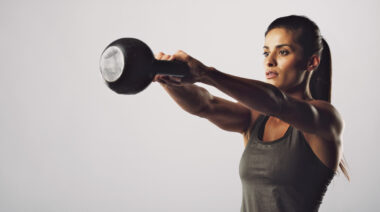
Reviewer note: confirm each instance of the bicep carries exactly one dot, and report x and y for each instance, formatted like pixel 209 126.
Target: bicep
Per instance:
pixel 228 115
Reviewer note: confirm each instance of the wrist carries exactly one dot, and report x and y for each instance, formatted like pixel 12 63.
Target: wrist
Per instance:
pixel 207 75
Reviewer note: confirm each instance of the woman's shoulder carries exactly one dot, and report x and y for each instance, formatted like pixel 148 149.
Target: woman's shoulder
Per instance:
pixel 329 109
pixel 328 117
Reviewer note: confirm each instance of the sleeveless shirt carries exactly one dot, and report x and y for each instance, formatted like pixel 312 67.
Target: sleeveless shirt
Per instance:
pixel 281 175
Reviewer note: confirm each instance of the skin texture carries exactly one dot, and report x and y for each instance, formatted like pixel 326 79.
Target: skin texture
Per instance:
pixel 286 98
pixel 283 55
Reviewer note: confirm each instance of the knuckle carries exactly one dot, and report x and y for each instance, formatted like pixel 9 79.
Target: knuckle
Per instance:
pixel 159 55
pixel 175 56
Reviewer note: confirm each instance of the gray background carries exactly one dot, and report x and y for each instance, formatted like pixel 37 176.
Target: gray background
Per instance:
pixel 68 143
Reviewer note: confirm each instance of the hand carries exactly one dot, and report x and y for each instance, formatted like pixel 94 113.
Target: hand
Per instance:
pixel 196 69
pixel 166 79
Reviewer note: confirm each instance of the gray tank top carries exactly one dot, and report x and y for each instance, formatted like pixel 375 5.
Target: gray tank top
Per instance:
pixel 281 175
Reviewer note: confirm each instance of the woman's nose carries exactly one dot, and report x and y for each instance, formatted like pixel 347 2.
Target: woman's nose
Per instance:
pixel 270 61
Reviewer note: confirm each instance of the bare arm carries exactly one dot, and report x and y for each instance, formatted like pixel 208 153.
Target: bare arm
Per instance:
pixel 198 101
pixel 227 115
pixel 314 117
pixel 191 98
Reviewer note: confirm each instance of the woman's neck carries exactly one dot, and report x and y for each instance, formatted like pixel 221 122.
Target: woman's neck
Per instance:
pixel 301 91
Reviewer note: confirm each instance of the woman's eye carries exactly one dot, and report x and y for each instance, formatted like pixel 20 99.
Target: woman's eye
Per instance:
pixel 284 52
pixel 265 54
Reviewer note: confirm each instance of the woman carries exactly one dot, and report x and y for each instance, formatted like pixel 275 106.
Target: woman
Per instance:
pixel 292 133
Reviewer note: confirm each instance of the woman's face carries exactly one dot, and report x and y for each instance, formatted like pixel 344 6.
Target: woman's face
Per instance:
pixel 284 57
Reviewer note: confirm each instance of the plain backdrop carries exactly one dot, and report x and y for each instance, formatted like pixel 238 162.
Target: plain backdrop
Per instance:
pixel 68 143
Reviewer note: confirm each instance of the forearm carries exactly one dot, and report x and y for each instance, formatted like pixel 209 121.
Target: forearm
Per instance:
pixel 255 94
pixel 190 97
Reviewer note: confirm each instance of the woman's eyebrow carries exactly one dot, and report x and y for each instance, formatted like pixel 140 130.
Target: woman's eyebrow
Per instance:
pixel 279 46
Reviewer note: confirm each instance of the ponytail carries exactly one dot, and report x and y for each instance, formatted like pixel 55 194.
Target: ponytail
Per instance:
pixel 320 82
pixel 320 88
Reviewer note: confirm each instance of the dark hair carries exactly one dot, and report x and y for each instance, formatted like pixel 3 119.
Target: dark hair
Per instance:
pixel 309 38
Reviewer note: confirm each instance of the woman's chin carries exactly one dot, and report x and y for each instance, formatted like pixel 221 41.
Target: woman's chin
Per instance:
pixel 274 83
pixel 271 81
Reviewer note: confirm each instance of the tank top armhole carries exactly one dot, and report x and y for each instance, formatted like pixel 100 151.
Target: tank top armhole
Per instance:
pixel 251 131
pixel 313 155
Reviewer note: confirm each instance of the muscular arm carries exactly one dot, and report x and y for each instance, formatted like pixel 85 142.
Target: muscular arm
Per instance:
pixel 198 101
pixel 190 98
pixel 316 117
pixel 255 94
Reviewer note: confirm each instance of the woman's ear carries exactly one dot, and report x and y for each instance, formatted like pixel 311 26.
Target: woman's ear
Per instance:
pixel 313 62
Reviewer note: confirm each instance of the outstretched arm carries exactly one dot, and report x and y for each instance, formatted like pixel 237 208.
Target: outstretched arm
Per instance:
pixel 315 117
pixel 227 115
pixel 198 101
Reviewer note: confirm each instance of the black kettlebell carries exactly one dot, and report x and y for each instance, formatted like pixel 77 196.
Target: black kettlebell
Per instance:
pixel 128 66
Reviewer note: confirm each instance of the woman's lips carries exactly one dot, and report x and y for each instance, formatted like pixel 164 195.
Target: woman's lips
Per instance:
pixel 271 75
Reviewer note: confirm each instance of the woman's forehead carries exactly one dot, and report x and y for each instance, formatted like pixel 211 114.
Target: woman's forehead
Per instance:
pixel 278 36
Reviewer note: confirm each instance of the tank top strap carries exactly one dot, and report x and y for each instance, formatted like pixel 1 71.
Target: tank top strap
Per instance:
pixel 255 129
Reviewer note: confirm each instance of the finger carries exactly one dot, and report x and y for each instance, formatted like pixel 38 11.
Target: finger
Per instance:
pixel 162 79
pixel 165 82
pixel 159 55
pixel 165 57
pixel 169 80
pixel 175 79
pixel 162 82
pixel 158 77
pixel 173 83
